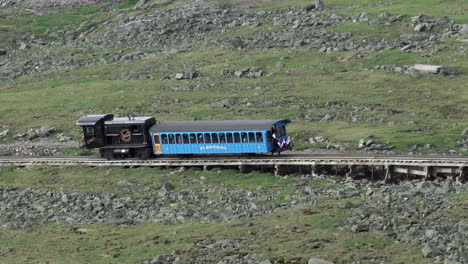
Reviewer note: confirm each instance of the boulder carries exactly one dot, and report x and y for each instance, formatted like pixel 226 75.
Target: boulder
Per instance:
pixel 384 14
pixel 4 133
pixel 318 261
pixel 279 64
pixel 64 138
pixel 430 251
pixel 179 76
pixel 361 143
pixel 167 186
pixel 463 29
pixel 448 261
pixel 31 134
pixel 140 4
pixel 319 4
pixel 188 74
pixel 309 7
pixel 45 131
pixel 426 69
pixel 420 27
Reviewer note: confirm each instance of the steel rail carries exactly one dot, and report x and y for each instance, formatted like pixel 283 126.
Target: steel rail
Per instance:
pixel 291 159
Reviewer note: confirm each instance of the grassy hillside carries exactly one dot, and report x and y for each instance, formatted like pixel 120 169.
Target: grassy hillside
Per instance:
pixel 430 109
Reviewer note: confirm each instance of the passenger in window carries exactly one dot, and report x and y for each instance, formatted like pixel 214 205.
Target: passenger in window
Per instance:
pixel 251 138
pixel 259 137
pixel 200 138
pixel 244 137
pixel 193 139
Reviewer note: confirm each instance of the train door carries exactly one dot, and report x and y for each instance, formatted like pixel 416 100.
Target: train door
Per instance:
pixel 157 143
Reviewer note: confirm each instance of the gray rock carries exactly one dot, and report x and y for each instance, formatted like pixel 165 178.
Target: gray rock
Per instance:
pixel 420 27
pixel 426 68
pixel 4 133
pixel 141 4
pixel 31 134
pixel 335 16
pixel 414 73
pixel 318 261
pixel 360 228
pixel 279 64
pixel 45 131
pixel 384 14
pixel 23 46
pixel 463 29
pixel 167 186
pixel 319 4
pixel 4 251
pixel 266 261
pixel 64 138
pixel 237 43
pixel 369 142
pixel 429 251
pixel 361 143
pixel 465 131
pixel 449 261
pixel 309 7
pixel 179 76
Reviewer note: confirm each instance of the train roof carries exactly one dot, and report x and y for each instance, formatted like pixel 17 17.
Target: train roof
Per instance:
pixel 91 120
pixel 131 120
pixel 223 125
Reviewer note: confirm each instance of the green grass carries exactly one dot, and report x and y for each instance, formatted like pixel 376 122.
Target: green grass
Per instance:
pixel 30 23
pixel 127 4
pixel 298 92
pixel 88 179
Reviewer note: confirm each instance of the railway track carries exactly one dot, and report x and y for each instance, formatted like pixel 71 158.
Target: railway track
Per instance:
pixel 353 164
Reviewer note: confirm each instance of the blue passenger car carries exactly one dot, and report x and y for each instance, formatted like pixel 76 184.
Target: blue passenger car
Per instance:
pixel 218 137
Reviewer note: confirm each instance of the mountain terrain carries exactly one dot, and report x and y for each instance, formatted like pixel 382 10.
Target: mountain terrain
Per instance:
pixel 353 76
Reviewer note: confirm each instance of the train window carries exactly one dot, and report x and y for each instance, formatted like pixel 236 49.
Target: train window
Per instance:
pixel 171 139
pixel 200 138
pixel 251 137
pixel 193 139
pixel 89 131
pixel 269 138
pixel 244 137
pixel 215 137
pixel 207 138
pixel 178 139
pixel 229 137
pixel 156 139
pixel 136 129
pixel 164 139
pixel 236 138
pixel 222 138
pixel 259 137
pixel 186 139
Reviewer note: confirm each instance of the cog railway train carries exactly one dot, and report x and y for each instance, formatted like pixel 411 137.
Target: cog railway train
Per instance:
pixel 143 137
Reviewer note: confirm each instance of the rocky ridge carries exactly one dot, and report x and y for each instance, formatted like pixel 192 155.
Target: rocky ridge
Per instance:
pixel 206 24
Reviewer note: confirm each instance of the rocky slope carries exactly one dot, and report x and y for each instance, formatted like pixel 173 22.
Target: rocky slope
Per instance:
pixel 207 24
pixel 416 213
